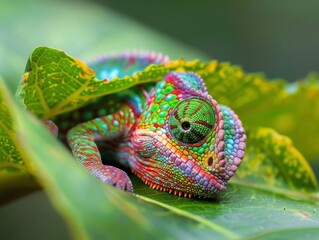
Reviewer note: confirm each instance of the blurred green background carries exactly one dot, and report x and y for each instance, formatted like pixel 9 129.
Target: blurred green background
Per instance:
pixel 279 38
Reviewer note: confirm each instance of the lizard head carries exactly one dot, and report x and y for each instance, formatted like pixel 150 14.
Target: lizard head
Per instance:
pixel 185 142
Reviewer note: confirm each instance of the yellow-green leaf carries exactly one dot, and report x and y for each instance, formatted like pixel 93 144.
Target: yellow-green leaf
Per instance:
pixel 295 114
pixel 271 160
pixel 263 103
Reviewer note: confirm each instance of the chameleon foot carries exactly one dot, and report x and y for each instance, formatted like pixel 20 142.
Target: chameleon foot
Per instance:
pixel 115 177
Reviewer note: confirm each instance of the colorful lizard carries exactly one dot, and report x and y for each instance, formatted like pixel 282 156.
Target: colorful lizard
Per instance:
pixel 172 134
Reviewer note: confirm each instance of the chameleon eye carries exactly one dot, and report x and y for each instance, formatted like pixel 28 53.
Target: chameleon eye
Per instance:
pixel 192 120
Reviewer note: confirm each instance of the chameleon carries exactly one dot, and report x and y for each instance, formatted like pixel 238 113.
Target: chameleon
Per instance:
pixel 172 134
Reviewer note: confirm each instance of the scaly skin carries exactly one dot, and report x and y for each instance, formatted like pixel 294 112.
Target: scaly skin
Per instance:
pixel 173 135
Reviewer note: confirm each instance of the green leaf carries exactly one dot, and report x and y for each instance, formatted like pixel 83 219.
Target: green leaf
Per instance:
pixel 11 159
pixel 248 211
pixel 52 79
pixel 15 179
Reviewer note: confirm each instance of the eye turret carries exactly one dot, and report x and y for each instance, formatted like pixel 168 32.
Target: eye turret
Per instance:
pixel 192 120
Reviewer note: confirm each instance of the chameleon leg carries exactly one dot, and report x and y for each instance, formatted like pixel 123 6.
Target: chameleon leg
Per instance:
pixel 81 140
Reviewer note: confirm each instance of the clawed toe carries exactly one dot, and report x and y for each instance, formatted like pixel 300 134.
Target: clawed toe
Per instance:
pixel 115 177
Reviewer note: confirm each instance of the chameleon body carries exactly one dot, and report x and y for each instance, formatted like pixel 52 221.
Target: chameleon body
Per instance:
pixel 172 134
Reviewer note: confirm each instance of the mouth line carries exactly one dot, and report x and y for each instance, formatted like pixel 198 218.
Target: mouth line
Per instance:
pixel 170 190
pixel 161 188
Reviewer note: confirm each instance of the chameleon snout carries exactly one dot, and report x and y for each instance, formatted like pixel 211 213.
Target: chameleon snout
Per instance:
pixel 142 145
